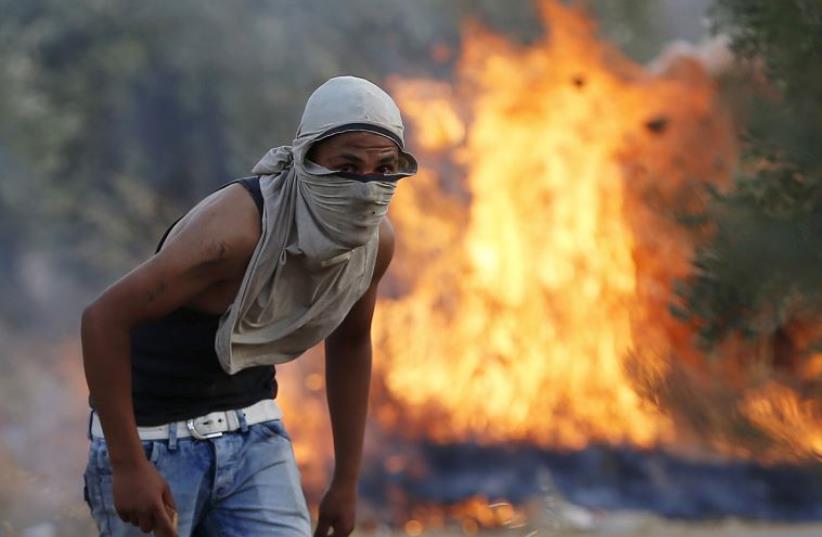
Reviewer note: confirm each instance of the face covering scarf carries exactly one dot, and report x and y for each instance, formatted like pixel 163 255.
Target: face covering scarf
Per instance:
pixel 320 232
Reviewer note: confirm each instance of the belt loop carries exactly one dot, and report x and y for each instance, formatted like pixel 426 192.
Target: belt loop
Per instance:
pixel 172 435
pixel 243 422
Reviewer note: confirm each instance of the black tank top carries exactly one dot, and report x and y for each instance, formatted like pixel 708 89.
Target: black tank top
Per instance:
pixel 175 372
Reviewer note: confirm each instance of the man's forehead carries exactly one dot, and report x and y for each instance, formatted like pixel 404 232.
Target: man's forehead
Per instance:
pixel 366 141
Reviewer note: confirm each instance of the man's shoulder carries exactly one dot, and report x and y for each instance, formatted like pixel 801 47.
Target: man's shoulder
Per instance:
pixel 228 217
pixel 235 217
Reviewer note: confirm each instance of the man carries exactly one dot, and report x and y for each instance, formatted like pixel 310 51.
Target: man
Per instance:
pixel 179 353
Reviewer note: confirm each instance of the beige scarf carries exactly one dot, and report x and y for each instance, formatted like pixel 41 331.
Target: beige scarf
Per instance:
pixel 320 233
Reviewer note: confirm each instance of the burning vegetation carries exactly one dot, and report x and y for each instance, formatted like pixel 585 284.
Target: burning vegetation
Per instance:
pixel 529 301
pixel 539 250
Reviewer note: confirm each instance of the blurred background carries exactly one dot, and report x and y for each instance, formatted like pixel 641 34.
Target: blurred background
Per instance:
pixel 604 311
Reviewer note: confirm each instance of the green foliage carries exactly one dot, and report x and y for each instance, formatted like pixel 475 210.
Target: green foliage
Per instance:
pixel 761 269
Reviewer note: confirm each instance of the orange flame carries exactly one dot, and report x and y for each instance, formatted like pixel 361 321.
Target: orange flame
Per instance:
pixel 524 303
pixel 536 250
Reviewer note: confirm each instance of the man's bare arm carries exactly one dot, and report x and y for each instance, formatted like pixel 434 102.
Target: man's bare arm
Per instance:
pixel 214 243
pixel 348 375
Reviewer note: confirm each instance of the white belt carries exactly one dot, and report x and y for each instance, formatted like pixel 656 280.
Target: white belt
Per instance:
pixel 209 426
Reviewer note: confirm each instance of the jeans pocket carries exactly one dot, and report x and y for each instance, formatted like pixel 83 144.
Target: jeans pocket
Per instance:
pixel 99 455
pixel 275 428
pixel 94 493
pixel 98 481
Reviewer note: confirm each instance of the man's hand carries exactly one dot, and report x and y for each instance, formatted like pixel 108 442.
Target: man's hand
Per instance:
pixel 337 511
pixel 143 498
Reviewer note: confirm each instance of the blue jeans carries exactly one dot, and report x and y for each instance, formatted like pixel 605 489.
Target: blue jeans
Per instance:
pixel 242 484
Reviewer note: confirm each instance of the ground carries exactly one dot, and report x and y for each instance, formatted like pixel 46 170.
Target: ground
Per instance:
pixel 653 529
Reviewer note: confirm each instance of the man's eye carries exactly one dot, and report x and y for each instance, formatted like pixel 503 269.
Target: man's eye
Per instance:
pixel 347 168
pixel 386 169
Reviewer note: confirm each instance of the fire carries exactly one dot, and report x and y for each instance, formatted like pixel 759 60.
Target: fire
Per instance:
pixel 528 300
pixel 780 412
pixel 473 514
pixel 531 282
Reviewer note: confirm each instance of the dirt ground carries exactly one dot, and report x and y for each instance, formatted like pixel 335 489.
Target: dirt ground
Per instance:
pixel 81 526
pixel 655 529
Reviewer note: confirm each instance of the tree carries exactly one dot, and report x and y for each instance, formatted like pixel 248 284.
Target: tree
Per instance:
pixel 759 274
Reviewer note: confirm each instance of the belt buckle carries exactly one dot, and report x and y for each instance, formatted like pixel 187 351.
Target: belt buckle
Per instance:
pixel 197 434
